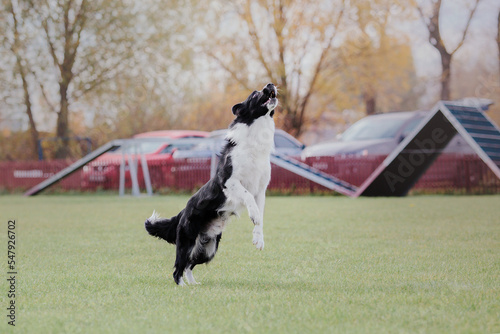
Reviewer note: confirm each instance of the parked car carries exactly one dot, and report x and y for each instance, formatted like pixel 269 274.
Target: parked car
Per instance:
pixel 104 172
pixel 378 135
pixel 285 144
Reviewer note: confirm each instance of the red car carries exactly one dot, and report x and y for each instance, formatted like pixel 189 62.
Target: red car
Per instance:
pixel 104 172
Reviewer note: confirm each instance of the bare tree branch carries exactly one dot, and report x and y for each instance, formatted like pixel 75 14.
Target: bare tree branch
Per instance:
pixel 471 14
pixel 319 65
pixel 52 49
pixel 99 80
pixel 254 36
pixel 422 16
pixel 233 74
pixel 44 94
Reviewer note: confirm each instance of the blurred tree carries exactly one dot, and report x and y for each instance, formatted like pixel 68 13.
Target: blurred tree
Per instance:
pixel 382 77
pixel 376 64
pixel 155 92
pixel 285 42
pixel 107 58
pixel 13 41
pixel 373 67
pixel 211 112
pixel 88 42
pixel 431 20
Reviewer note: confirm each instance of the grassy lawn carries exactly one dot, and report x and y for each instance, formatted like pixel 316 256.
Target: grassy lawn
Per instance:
pixel 423 264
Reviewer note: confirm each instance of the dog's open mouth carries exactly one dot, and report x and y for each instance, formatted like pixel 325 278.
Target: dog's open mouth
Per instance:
pixel 269 100
pixel 272 97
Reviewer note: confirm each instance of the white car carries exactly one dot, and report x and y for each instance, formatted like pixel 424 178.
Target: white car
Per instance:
pixel 378 135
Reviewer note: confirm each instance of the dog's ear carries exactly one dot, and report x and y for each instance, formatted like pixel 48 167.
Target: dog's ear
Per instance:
pixel 236 108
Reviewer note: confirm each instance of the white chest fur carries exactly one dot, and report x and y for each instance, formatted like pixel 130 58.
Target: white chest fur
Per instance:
pixel 251 155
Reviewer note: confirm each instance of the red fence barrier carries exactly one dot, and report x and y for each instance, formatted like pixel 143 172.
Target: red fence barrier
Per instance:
pixel 22 175
pixel 449 173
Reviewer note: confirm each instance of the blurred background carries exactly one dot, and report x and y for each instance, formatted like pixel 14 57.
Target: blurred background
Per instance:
pixel 75 74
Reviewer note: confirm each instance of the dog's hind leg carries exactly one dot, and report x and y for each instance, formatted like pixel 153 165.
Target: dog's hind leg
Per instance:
pixel 258 230
pixel 178 272
pixel 189 275
pixel 181 260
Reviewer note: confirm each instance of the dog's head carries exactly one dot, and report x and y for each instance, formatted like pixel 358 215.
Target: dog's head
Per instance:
pixel 258 104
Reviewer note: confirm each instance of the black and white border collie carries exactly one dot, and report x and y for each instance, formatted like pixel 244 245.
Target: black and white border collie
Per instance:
pixel 242 176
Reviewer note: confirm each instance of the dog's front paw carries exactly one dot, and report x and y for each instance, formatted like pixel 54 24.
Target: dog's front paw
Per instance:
pixel 254 214
pixel 258 238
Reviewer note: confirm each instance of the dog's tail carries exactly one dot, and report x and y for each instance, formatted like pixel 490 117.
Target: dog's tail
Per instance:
pixel 163 228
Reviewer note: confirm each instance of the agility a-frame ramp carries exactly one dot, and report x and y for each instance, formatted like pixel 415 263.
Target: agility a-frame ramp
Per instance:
pixel 314 175
pixel 131 157
pixel 415 154
pixel 72 168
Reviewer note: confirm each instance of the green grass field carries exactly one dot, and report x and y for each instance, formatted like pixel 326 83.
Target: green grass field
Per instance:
pixel 423 264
